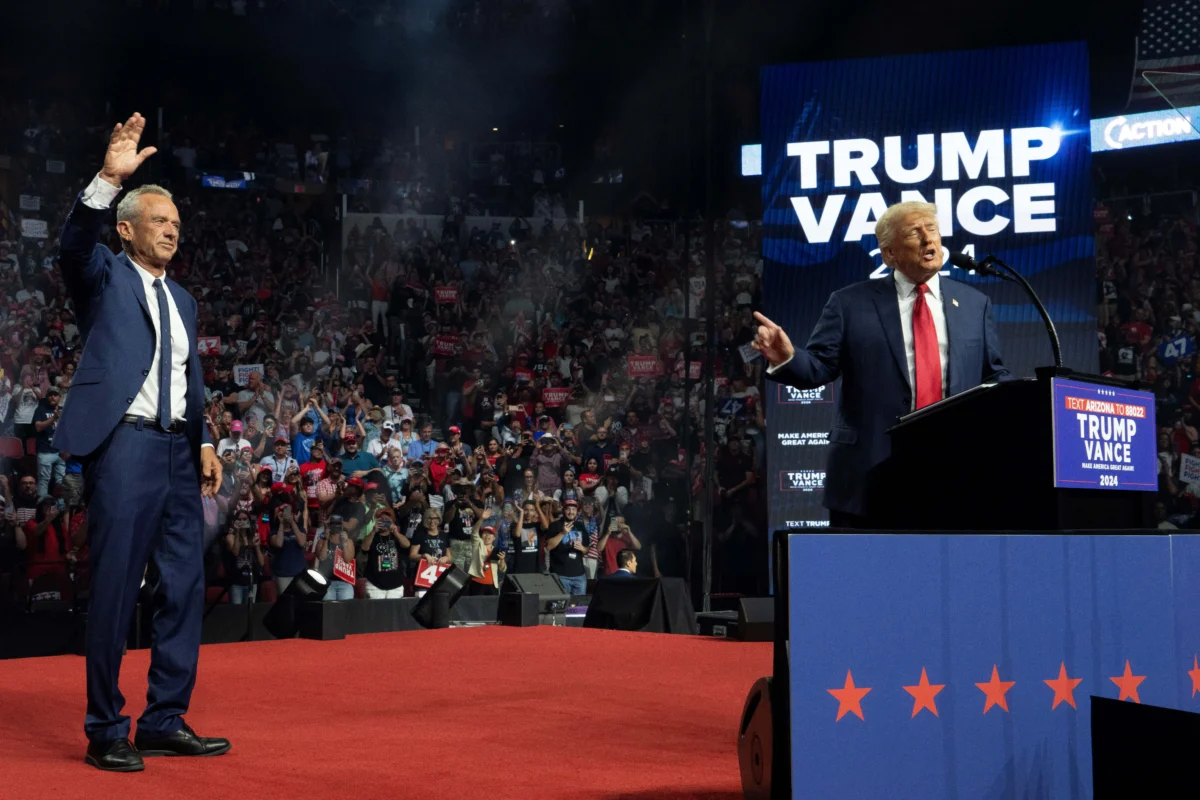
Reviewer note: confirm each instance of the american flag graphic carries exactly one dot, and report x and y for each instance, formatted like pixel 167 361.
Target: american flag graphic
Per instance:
pixel 1168 53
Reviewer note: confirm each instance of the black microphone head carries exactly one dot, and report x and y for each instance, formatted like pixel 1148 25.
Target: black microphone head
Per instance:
pixel 963 261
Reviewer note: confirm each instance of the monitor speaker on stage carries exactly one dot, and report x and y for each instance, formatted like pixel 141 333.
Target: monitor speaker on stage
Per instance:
pixel 552 597
pixel 756 750
pixel 433 610
pixel 518 610
pixel 756 619
pixel 1141 750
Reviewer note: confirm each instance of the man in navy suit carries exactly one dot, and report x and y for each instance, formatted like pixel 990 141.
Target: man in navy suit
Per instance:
pixel 898 344
pixel 136 421
pixel 626 564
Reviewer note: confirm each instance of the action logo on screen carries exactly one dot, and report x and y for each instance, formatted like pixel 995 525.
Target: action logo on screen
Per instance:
pixel 1104 437
pixel 998 139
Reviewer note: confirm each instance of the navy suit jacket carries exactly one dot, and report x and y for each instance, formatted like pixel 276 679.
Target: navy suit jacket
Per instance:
pixel 858 338
pixel 622 575
pixel 118 338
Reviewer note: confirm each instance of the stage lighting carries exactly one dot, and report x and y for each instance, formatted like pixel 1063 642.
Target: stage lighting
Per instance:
pixel 433 610
pixel 283 620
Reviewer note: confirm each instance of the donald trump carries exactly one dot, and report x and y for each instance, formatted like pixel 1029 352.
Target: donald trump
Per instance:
pixel 898 344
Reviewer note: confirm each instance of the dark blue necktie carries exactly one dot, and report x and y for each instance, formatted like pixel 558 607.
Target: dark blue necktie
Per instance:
pixel 164 356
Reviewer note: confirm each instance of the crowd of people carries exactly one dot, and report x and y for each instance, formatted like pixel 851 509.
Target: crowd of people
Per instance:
pixel 1149 314
pixel 501 397
pixel 504 401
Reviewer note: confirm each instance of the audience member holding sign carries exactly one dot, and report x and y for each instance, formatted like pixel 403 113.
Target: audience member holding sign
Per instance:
pixel 429 550
pixel 335 559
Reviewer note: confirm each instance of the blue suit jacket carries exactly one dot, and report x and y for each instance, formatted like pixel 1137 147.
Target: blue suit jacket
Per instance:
pixel 622 575
pixel 858 338
pixel 118 338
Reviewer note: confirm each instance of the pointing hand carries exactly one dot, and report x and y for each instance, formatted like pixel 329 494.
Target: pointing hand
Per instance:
pixel 772 341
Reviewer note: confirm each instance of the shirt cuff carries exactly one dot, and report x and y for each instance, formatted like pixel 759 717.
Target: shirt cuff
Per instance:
pixel 100 194
pixel 777 367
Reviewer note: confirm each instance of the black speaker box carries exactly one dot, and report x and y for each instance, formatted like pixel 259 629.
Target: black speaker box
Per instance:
pixel 323 621
pixel 1142 751
pixel 756 619
pixel 756 746
pixel 552 598
pixel 518 610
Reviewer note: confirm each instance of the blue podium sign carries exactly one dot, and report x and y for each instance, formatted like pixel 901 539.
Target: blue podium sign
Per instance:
pixel 1104 437
pixel 931 666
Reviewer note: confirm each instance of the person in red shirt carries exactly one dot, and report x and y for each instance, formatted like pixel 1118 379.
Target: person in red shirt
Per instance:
pixel 617 537
pixel 1138 330
pixel 46 542
pixel 380 292
pixel 440 466
pixel 311 473
pixel 590 477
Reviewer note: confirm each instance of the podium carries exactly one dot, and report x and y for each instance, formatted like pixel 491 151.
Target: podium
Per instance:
pixel 1019 455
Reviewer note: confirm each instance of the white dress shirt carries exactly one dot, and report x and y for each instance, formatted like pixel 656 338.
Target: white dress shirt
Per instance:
pixel 906 295
pixel 100 195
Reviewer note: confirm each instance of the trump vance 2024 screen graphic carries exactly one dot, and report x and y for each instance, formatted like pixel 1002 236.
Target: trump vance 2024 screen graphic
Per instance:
pixel 998 139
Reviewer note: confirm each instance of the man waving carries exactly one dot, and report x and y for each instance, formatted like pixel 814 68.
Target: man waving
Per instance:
pixel 136 420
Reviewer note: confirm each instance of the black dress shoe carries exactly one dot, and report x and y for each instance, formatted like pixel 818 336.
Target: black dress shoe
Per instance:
pixel 114 756
pixel 183 742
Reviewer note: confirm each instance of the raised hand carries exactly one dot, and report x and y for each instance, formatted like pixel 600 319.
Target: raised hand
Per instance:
pixel 123 157
pixel 772 341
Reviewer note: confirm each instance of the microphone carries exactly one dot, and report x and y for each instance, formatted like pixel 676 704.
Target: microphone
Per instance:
pixel 964 261
pixel 988 267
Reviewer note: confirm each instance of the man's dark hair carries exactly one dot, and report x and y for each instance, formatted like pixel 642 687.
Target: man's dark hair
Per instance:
pixel 625 558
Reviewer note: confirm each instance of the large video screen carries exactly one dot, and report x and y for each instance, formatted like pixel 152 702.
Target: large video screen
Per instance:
pixel 998 139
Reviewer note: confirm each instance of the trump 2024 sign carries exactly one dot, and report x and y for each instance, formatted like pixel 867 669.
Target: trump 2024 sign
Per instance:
pixel 998 139
pixel 1104 437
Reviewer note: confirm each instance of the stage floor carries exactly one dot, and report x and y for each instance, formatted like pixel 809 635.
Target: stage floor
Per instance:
pixel 487 712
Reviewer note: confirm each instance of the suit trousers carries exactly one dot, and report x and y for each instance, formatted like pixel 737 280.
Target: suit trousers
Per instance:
pixel 143 496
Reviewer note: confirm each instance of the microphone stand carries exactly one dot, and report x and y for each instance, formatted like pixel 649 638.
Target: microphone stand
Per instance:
pixel 1051 331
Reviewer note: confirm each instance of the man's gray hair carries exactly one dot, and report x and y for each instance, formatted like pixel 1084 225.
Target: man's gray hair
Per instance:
pixel 130 206
pixel 885 228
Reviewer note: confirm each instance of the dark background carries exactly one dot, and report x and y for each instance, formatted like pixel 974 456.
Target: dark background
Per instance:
pixel 628 73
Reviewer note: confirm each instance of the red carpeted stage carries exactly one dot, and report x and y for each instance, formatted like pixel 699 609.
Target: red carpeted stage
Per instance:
pixel 485 712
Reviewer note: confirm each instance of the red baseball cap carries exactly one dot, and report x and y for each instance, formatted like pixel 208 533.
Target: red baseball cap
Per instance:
pixel 371 485
pixel 355 482
pixel 278 487
pixel 455 429
pixel 350 437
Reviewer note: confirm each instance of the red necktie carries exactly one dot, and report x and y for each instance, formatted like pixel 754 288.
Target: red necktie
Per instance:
pixel 925 348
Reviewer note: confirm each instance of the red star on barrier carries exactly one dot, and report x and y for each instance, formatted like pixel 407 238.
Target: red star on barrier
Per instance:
pixel 1194 674
pixel 995 690
pixel 1128 684
pixel 923 694
pixel 1064 687
pixel 849 698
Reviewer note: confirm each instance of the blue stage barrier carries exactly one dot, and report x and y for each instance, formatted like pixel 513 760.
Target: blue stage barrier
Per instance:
pixel 1016 630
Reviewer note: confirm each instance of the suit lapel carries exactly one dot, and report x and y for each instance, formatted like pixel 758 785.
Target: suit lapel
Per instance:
pixel 951 308
pixel 889 315
pixel 139 288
